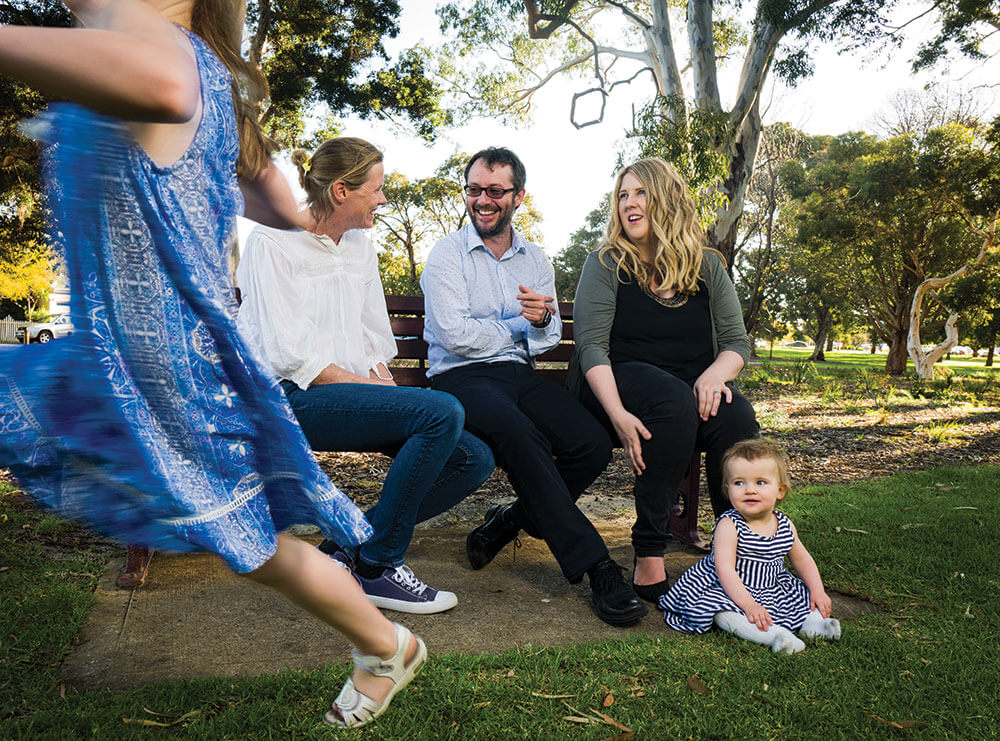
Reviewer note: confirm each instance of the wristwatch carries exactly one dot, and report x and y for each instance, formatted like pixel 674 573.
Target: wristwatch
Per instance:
pixel 544 323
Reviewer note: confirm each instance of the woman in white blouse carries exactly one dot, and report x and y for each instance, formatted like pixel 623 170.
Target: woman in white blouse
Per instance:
pixel 313 307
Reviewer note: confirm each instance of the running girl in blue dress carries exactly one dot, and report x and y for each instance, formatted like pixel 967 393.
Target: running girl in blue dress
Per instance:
pixel 742 585
pixel 153 422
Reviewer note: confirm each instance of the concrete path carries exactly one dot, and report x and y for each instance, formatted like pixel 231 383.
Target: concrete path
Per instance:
pixel 194 618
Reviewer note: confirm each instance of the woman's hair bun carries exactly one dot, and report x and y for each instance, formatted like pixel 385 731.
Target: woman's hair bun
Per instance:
pixel 300 157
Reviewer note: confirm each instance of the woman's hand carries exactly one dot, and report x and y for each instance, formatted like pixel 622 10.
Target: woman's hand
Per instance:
pixel 710 389
pixel 759 616
pixel 631 431
pixel 820 600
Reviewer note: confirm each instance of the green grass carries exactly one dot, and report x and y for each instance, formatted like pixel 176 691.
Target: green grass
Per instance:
pixel 920 546
pixel 962 364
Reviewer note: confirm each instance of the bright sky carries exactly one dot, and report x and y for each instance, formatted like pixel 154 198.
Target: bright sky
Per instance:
pixel 570 170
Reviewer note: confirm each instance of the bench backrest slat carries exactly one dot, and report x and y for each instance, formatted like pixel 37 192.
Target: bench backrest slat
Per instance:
pixel 406 316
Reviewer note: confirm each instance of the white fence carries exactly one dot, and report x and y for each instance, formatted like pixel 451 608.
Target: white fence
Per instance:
pixel 8 327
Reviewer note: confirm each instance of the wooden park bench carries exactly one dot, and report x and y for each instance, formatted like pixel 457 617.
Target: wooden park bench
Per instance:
pixel 406 315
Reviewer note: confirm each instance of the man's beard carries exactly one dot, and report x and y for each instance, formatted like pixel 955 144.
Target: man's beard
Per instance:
pixel 502 225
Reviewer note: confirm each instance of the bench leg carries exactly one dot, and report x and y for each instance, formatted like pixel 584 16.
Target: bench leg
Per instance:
pixel 684 515
pixel 136 565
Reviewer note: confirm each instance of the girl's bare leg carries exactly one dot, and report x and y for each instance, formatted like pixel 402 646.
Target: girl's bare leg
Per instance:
pixel 311 580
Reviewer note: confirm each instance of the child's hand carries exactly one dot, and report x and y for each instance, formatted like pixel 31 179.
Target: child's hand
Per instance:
pixel 759 616
pixel 822 602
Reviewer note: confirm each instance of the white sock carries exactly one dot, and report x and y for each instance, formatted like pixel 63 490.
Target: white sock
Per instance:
pixel 781 640
pixel 817 626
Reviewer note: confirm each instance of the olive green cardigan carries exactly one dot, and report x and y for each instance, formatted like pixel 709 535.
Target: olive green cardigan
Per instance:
pixel 594 313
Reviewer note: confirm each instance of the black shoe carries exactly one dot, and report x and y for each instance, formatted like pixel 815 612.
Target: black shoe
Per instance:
pixel 615 602
pixel 487 540
pixel 650 592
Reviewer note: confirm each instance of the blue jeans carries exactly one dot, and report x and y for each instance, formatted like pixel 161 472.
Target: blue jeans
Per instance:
pixel 436 464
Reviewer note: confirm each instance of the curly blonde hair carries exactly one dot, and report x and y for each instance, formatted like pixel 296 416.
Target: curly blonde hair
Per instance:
pixel 676 231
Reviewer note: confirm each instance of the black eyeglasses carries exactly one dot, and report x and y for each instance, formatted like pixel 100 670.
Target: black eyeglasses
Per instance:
pixel 474 191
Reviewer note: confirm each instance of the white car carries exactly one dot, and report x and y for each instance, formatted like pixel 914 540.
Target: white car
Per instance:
pixel 60 326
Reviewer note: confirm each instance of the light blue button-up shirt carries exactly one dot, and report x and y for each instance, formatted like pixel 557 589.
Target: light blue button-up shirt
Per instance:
pixel 470 298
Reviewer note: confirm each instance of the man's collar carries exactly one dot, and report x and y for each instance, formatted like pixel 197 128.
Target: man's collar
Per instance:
pixel 474 240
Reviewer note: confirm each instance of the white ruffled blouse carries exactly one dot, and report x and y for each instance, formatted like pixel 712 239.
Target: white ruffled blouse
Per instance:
pixel 309 302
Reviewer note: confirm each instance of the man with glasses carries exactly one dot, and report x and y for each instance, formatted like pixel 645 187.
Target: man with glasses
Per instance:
pixel 490 308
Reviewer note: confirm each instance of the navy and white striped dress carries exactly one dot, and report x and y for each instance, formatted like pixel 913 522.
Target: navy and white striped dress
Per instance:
pixel 697 596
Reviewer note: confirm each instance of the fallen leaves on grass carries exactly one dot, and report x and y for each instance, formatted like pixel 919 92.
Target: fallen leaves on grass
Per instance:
pixel 697 686
pixel 596 717
pixel 608 701
pixel 901 725
pixel 161 724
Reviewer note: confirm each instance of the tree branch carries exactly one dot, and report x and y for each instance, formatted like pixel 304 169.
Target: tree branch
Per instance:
pixel 755 65
pixel 638 20
pixel 554 21
pixel 660 40
pixel 260 34
pixel 703 62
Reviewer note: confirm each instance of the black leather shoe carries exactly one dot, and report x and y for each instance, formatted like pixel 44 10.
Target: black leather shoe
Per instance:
pixel 650 592
pixel 487 540
pixel 615 602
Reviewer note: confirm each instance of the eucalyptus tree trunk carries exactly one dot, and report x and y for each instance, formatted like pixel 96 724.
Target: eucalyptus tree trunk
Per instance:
pixel 923 362
pixel 824 323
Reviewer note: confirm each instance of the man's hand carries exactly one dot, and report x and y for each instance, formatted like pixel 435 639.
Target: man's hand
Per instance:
pixel 534 306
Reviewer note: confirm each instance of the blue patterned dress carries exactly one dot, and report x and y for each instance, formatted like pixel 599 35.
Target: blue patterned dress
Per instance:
pixel 153 423
pixel 693 600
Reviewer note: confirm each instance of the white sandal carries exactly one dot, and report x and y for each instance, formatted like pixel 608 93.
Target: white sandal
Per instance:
pixel 352 709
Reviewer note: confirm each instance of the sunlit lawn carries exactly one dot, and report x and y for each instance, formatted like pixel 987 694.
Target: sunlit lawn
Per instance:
pixel 962 364
pixel 919 546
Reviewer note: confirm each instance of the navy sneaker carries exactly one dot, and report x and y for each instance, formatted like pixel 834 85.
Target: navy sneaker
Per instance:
pixel 338 555
pixel 399 589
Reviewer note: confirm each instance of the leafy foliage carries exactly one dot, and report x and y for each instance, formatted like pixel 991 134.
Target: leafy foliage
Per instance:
pixel 326 53
pixel 22 213
pixel 568 263
pixel 503 52
pixel 885 215
pixel 27 280
pixel 963 27
pixel 331 52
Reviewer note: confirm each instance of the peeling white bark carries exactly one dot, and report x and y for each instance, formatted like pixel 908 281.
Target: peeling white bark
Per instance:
pixel 760 52
pixel 702 41
pixel 923 362
pixel 722 234
pixel 665 67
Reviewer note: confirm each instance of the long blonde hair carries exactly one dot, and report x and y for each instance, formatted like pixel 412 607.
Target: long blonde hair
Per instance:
pixel 677 234
pixel 347 159
pixel 219 23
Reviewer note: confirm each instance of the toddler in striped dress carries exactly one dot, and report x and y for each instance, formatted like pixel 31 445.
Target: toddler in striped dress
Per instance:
pixel 742 585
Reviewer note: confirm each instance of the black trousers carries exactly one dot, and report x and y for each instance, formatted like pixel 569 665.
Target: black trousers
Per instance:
pixel 668 408
pixel 551 448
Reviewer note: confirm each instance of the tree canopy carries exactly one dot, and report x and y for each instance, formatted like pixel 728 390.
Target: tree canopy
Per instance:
pixel 326 53
pixel 504 51
pixel 964 27
pixel 896 213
